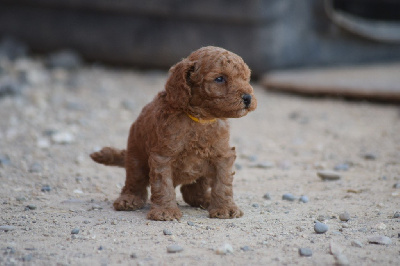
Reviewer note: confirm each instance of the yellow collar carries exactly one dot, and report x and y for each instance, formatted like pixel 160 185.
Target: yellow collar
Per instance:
pixel 202 121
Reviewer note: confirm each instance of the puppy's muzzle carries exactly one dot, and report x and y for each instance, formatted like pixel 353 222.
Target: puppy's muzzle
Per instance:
pixel 246 100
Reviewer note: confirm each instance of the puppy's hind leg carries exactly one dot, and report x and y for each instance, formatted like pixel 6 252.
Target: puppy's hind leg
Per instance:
pixel 197 194
pixel 134 194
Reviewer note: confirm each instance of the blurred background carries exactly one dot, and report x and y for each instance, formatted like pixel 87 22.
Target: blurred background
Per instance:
pixel 268 34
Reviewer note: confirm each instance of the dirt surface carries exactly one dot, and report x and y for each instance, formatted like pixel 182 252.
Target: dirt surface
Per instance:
pixel 49 186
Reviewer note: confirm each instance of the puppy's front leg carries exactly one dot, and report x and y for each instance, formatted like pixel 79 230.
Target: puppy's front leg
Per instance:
pixel 222 205
pixel 163 198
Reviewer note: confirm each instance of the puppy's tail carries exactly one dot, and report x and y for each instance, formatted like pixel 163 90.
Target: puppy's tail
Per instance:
pixel 109 156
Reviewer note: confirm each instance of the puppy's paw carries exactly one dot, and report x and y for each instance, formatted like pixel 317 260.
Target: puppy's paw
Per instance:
pixel 225 212
pixel 129 202
pixel 164 214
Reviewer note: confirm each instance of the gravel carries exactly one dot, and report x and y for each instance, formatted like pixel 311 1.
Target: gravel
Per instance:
pixel 174 249
pixel 320 228
pixel 4 160
pixel 328 175
pixel 344 216
pixel 288 197
pixel 190 223
pixel 31 207
pixel 75 231
pixel 370 156
pixel 305 252
pixel 396 185
pixel 396 215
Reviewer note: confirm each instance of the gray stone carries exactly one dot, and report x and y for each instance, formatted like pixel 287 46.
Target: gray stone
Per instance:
pixel 12 48
pixel 245 248
pixel 320 228
pixel 396 185
pixel 66 59
pixel 264 165
pixel 342 167
pixel 7 228
pixel 267 196
pixel 35 168
pixel 381 240
pixel 356 243
pixel 167 232
pixel 9 87
pixel 45 188
pixel 174 248
pixel 255 205
pixel 288 197
pixel 369 156
pixel 4 160
pixel 31 207
pixel 345 216
pixel 27 257
pixel 328 175
pixel 305 252
pixel 396 215
pixel 304 199
pixel 190 223
pixel 75 231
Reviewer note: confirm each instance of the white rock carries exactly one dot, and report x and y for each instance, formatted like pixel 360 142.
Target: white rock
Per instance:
pixel 225 249
pixel 63 138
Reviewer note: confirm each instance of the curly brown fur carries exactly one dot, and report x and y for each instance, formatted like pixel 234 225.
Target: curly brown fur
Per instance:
pixel 182 138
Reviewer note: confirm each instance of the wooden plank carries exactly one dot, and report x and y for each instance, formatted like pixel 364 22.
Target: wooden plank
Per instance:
pixel 373 82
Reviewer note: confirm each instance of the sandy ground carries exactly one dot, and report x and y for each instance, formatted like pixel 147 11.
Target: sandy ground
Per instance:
pixel 49 186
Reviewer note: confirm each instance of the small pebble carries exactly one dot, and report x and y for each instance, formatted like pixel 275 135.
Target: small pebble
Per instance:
pixel 4 160
pixel 356 243
pixel 6 228
pixel 396 215
pixel 381 240
pixel 35 168
pixel 225 249
pixel 27 257
pixel 167 232
pixel 75 231
pixel 245 248
pixel 381 226
pixel 397 185
pixel 369 156
pixel 100 248
pixel 267 196
pixel 303 199
pixel 305 252
pixel 255 205
pixel 344 216
pixel 190 223
pixel 341 167
pixel 320 228
pixel 66 59
pixel 30 207
pixel 328 175
pixel 174 249
pixel 46 188
pixel 63 138
pixel 133 256
pixel 288 197
pixel 264 165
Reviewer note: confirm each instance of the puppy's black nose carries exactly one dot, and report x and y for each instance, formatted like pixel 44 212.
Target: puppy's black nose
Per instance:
pixel 246 100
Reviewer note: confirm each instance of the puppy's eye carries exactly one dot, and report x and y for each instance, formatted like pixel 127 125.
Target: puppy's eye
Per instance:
pixel 220 79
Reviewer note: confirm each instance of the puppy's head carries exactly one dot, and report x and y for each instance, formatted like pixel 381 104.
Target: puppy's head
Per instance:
pixel 211 83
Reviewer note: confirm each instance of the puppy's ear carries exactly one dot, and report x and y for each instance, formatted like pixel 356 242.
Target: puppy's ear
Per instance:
pixel 178 85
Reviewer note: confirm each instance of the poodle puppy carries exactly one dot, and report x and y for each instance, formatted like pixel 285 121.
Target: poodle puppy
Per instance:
pixel 182 138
